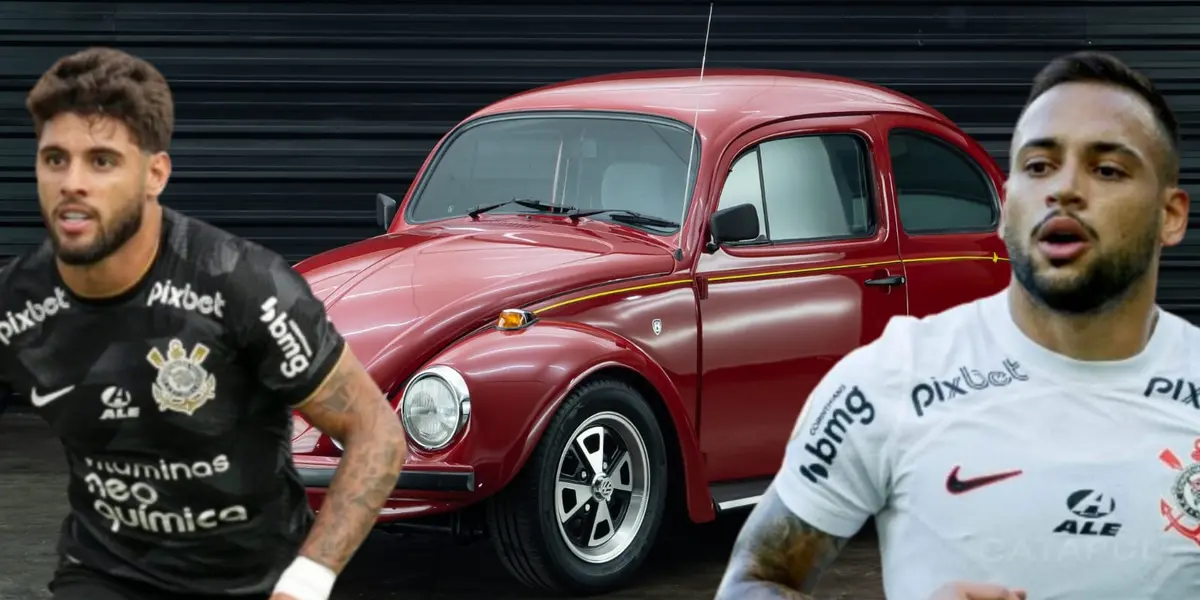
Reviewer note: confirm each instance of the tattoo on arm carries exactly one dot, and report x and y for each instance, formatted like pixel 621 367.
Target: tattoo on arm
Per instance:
pixel 777 555
pixel 350 408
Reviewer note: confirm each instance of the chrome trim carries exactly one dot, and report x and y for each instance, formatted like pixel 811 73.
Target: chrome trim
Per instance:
pixel 462 395
pixel 739 503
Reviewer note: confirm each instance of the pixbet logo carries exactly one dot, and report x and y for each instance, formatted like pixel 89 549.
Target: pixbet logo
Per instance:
pixel 34 313
pixel 1179 390
pixel 855 408
pixel 297 354
pixel 166 293
pixel 965 380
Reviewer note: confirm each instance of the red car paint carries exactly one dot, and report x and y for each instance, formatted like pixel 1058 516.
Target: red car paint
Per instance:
pixel 737 352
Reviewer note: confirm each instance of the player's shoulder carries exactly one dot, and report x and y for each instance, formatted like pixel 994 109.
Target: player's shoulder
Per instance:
pixel 8 266
pixel 38 258
pixel 1183 356
pixel 217 270
pixel 911 346
pixel 31 271
pixel 202 247
pixel 1189 332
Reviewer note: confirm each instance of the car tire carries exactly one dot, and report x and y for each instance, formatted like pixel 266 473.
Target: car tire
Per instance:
pixel 584 556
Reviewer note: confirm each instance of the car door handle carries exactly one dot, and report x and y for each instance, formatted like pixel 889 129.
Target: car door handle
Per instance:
pixel 893 280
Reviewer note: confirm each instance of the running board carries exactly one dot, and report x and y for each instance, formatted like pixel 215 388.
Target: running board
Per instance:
pixel 733 495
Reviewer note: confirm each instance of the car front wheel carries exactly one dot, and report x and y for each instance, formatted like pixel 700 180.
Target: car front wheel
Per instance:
pixel 582 515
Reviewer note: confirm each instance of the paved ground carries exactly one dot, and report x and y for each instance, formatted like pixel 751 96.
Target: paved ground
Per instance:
pixel 688 564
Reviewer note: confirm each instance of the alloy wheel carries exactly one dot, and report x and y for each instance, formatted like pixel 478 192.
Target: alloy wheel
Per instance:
pixel 600 495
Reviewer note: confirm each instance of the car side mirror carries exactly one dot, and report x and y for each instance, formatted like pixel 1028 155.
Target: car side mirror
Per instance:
pixel 734 224
pixel 385 211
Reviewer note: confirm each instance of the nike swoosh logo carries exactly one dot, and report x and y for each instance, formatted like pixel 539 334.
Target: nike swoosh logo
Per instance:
pixel 956 486
pixel 39 401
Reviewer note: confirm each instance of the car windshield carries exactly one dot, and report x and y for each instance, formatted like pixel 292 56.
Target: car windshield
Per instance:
pixel 585 162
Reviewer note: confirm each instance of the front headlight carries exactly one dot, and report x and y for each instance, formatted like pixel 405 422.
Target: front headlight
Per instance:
pixel 435 407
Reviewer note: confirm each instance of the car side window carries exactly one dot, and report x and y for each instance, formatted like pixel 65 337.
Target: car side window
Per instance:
pixel 812 187
pixel 744 186
pixel 939 189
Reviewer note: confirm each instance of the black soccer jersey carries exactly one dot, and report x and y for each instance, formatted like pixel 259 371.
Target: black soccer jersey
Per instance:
pixel 173 403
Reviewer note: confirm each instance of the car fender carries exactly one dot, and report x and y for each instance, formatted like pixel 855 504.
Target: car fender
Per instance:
pixel 519 378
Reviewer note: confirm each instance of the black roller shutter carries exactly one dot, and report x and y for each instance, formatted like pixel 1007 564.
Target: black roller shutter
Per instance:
pixel 292 115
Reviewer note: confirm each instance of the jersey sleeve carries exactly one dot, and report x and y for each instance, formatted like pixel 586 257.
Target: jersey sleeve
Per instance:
pixel 835 472
pixel 282 327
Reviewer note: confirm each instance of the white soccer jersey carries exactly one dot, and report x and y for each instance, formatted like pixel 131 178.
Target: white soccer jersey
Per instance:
pixel 985 457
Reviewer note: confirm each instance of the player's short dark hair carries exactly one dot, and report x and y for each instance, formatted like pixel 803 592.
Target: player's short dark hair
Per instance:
pixel 1100 67
pixel 109 82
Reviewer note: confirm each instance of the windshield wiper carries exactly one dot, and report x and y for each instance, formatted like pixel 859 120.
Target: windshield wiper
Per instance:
pixel 537 205
pixel 627 216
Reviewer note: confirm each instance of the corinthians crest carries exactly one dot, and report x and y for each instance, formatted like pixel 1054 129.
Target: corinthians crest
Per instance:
pixel 182 384
pixel 1185 495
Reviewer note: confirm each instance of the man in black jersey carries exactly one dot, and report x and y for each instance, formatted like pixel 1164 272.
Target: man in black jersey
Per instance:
pixel 168 356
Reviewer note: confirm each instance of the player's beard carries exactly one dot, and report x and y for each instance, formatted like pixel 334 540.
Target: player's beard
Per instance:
pixel 1108 279
pixel 110 236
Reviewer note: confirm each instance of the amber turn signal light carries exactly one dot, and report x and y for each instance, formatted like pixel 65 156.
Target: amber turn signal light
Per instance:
pixel 514 318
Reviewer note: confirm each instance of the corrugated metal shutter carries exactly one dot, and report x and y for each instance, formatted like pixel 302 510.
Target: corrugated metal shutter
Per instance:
pixel 292 115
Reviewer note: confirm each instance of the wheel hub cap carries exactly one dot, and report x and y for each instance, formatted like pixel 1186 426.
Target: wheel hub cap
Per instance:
pixel 600 497
pixel 602 488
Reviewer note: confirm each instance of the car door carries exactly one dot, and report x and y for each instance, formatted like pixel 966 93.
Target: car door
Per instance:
pixel 947 194
pixel 822 279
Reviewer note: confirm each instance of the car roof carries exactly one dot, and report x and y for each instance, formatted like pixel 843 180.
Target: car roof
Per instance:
pixel 727 98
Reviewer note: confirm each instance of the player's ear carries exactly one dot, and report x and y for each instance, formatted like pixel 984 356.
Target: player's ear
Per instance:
pixel 158 172
pixel 1176 204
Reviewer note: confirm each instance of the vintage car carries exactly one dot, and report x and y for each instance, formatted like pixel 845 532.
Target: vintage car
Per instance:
pixel 590 318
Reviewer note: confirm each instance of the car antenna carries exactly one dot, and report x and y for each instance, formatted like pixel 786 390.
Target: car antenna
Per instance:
pixel 687 175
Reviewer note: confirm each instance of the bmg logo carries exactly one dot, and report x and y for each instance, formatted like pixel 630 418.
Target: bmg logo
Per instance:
pixel 297 354
pixel 854 409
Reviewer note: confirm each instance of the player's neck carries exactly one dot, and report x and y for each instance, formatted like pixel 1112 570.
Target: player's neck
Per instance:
pixel 1118 333
pixel 124 268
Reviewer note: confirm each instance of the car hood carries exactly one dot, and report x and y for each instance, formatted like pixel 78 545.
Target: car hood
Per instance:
pixel 393 295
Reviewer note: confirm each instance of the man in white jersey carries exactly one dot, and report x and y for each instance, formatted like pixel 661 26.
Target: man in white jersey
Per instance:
pixel 1043 443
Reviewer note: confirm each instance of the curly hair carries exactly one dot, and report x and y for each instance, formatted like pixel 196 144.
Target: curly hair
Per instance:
pixel 112 83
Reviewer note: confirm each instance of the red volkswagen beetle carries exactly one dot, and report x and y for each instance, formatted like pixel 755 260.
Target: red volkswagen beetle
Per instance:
pixel 588 316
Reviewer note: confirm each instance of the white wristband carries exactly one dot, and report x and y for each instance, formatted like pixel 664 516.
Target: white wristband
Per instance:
pixel 306 579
